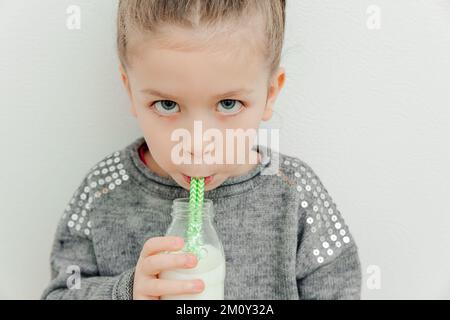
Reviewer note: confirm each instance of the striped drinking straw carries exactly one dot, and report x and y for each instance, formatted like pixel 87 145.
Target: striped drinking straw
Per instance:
pixel 193 234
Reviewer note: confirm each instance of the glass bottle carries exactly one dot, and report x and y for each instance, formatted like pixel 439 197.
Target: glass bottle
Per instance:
pixel 210 259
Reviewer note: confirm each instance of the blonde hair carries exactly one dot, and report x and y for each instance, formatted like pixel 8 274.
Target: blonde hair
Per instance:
pixel 150 15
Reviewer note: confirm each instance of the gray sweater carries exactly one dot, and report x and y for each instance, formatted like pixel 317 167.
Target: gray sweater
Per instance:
pixel 282 235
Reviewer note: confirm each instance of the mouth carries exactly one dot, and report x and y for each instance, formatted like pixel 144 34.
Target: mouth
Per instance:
pixel 208 179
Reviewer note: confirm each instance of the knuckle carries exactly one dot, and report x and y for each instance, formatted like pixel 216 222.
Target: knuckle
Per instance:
pixel 155 286
pixel 148 244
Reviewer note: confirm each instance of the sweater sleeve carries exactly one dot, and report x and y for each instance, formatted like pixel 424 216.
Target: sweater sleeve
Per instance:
pixel 74 271
pixel 328 265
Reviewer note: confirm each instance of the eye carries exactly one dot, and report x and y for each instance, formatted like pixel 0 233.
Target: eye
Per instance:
pixel 230 106
pixel 166 107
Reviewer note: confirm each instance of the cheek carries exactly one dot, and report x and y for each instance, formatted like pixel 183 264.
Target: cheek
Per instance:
pixel 161 150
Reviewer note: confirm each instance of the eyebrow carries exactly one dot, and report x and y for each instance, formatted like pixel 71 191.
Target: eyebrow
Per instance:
pixel 222 95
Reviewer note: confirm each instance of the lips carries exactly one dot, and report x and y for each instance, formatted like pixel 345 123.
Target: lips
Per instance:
pixel 208 179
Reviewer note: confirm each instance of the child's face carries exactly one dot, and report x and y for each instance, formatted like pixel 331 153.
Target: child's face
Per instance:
pixel 171 88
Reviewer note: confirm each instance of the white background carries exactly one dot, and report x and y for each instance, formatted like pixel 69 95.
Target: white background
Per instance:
pixel 368 109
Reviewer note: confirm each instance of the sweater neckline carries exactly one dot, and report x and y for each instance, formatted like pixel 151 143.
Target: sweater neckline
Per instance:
pixel 167 187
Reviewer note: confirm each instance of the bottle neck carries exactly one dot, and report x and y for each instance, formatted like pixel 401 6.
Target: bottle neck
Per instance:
pixel 181 208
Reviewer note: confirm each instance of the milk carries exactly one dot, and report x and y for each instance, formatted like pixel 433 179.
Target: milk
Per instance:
pixel 210 269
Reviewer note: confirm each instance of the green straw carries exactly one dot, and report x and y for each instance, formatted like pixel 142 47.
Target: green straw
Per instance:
pixel 194 228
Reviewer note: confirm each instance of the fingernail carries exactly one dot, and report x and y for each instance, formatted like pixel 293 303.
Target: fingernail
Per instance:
pixel 191 259
pixel 197 286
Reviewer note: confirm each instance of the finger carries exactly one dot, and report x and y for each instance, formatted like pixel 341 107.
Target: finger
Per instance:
pixel 160 287
pixel 164 261
pixel 159 244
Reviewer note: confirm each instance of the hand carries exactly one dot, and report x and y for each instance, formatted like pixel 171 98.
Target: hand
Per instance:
pixel 152 261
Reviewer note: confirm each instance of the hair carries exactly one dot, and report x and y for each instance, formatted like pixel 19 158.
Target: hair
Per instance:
pixel 150 16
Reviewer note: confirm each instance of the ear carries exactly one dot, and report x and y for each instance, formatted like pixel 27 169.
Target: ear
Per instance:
pixel 126 84
pixel 275 86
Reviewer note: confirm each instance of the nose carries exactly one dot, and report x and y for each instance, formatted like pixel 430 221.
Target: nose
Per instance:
pixel 199 148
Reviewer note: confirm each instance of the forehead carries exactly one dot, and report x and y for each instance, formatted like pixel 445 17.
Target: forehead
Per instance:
pixel 198 57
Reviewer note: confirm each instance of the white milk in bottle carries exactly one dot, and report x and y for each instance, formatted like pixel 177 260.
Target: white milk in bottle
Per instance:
pixel 210 269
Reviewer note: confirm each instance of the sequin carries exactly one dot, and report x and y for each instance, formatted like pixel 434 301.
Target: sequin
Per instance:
pixel 333 237
pixel 334 218
pixel 299 188
pixel 329 252
pixel 74 217
pixel 337 225
pixel 303 181
pixel 83 196
pixel 313 229
pixel 326 204
pixel 346 239
pixel 125 177
pixel 310 220
pixel 105 171
pixel 112 168
pixel 330 211
pixel 325 245
pixel 109 162
pixel 118 182
pixel 111 186
pixel 316 252
pixel 116 160
pixel 71 224
pixel 302 168
pixel 304 204
pixel 101 182
pixel 78 227
pixel 314 181
pixel 93 184
pixel 315 208
pixel 102 164
pixel 342 232
pixel 295 164
pixel 308 187
pixel 297 174
pixel 338 244
pixel 287 163
pixel 319 259
pixel 322 196
pixel 89 224
pixel 122 172
pixel 81 220
pixel 108 179
pixel 116 154
pixel 120 166
pixel 86 189
pixel 115 175
pixel 87 232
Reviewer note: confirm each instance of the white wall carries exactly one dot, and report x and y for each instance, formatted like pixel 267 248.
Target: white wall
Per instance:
pixel 368 109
